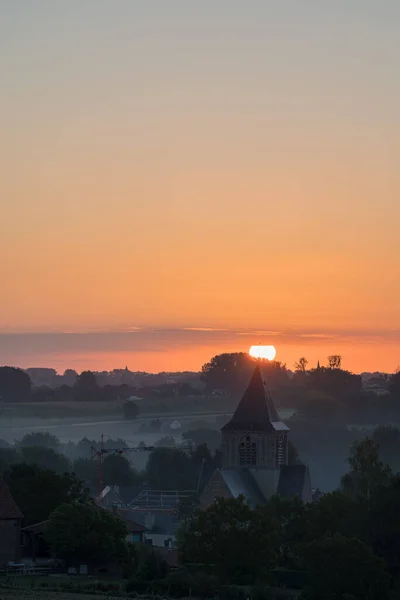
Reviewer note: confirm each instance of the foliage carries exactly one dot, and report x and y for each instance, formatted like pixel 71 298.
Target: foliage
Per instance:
pixel 85 533
pixel 340 565
pixel 118 471
pixel 239 542
pixel 322 407
pixel 86 387
pixel 46 458
pixel 367 473
pixel 38 438
pixel 130 410
pixel 15 384
pixel 170 469
pixel 335 361
pixel 38 492
pixel 86 470
pixel 148 565
pixel 301 365
pixel 232 372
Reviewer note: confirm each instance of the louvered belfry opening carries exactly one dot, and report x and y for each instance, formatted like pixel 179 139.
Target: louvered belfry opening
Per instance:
pixel 247 452
pixel 255 437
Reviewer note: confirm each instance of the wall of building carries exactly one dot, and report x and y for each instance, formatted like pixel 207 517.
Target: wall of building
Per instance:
pixel 10 544
pixel 268 454
pixel 160 540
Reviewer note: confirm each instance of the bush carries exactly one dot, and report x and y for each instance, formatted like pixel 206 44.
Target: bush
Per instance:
pixel 130 410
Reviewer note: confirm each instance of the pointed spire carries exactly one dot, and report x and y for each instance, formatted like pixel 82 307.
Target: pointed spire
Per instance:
pixel 256 410
pixel 318 365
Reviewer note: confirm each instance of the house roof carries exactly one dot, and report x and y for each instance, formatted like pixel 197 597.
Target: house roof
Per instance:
pixel 37 528
pixel 292 480
pixel 8 507
pixel 256 410
pixel 240 482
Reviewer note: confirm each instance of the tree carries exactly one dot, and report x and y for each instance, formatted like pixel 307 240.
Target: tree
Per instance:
pixel 84 533
pixel 171 469
pixel 38 492
pixel 39 438
pixel 15 385
pixel 240 543
pixel 340 565
pixel 118 471
pixel 232 372
pixel 301 365
pixel 130 410
pixel 86 470
pixel 86 387
pixel 388 440
pixel 367 473
pixel 324 408
pixel 335 361
pixel 69 377
pixel 45 458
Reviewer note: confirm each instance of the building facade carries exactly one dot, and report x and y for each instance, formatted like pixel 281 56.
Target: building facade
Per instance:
pixel 255 453
pixel 10 527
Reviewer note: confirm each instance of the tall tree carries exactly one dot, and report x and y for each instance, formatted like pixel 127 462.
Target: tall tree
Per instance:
pixel 301 365
pixel 38 438
pixel 15 384
pixel 367 472
pixel 232 372
pixel 239 542
pixel 335 361
pixel 118 471
pixel 85 533
pixel 38 492
pixel 341 566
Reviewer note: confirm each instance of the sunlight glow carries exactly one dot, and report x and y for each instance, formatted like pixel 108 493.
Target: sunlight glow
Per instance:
pixel 266 352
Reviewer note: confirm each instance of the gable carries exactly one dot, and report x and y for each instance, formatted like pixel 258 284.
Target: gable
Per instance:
pixel 8 508
pixel 215 488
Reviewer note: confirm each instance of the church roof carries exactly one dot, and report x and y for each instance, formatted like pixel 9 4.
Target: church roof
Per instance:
pixel 241 483
pixel 292 480
pixel 8 507
pixel 256 410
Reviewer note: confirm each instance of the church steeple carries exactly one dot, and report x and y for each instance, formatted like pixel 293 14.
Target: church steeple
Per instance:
pixel 255 437
pixel 256 410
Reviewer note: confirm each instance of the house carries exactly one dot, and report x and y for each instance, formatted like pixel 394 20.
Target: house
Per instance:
pixel 159 526
pixel 110 497
pixel 255 453
pixel 10 527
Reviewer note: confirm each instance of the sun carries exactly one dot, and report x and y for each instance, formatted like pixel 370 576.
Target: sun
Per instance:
pixel 266 352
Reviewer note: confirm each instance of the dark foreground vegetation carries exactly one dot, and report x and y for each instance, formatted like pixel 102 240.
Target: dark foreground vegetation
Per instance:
pixel 346 545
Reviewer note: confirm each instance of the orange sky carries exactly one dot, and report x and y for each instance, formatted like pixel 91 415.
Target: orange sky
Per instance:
pixel 201 167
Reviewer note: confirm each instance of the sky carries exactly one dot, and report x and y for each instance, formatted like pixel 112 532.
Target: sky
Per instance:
pixel 173 166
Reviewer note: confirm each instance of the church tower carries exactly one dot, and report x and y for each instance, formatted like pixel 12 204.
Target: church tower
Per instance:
pixel 256 439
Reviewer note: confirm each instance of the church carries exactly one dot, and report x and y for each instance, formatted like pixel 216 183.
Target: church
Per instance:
pixel 255 453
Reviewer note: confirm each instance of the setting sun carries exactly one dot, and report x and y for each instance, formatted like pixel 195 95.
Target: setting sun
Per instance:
pixel 266 352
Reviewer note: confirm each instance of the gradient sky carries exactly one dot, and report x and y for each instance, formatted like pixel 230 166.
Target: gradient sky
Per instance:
pixel 221 164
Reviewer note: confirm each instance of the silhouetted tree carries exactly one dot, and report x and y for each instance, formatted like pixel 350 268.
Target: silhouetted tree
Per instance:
pixel 85 533
pixel 340 565
pixel 335 361
pixel 86 387
pixel 301 365
pixel 39 438
pixel 130 410
pixel 15 385
pixel 38 492
pixel 232 372
pixel 118 471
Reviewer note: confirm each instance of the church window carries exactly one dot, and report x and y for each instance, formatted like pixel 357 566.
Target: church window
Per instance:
pixel 247 452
